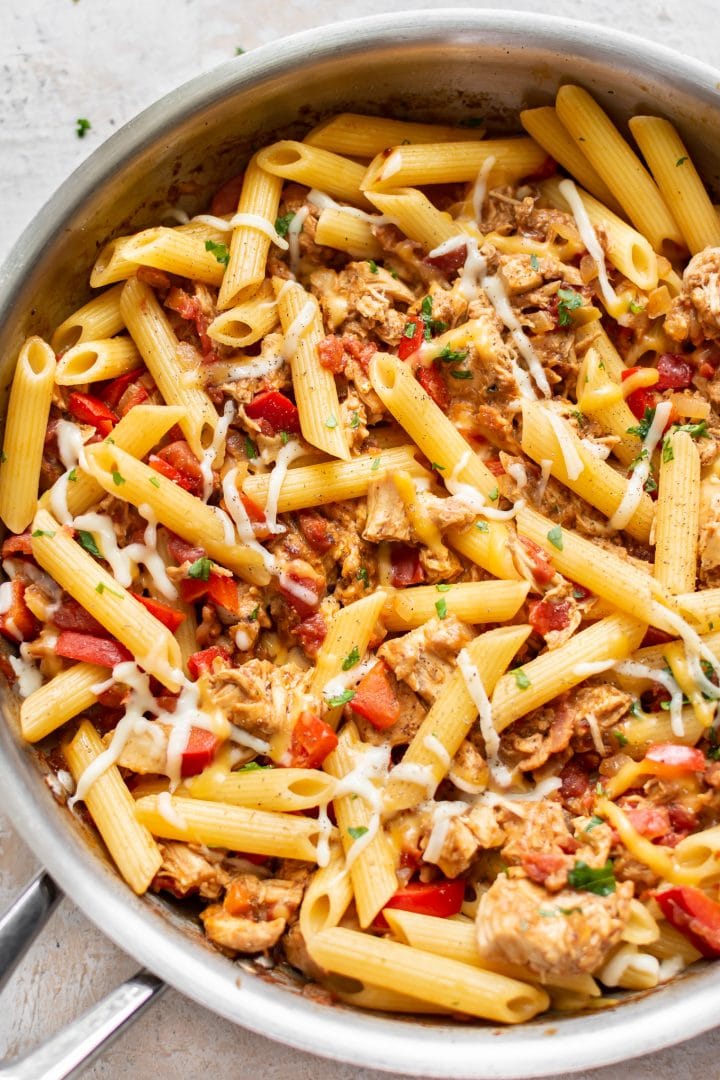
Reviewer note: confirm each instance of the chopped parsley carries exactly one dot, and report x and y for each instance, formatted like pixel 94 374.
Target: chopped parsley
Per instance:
pixel 409 331
pixel 373 266
pixel 331 422
pixel 154 481
pixel 521 680
pixel 83 126
pixel 593 823
pixel 642 429
pixel 621 737
pixel 441 607
pixel 430 326
pixel 239 52
pixel 569 300
pixel 579 416
pixel 482 526
pixel 88 542
pixel 352 658
pixel 356 831
pixel 635 308
pixel 284 438
pixel 461 374
pixel 250 448
pixel 667 451
pixel 101 588
pixel 555 537
pixel 492 495
pixel 697 431
pixel 220 251
pixel 443 588
pixel 252 617
pixel 3 457
pixel 452 356
pixel 42 532
pixel 534 262
pixel 72 478
pixel 117 478
pixel 282 224
pixel 600 881
pixel 362 575
pixel 650 484
pixel 681 160
pixel 200 569
pixel 376 463
pixel 341 699
pixel 355 420
pixel 253 766
pixel 436 465
pixel 545 914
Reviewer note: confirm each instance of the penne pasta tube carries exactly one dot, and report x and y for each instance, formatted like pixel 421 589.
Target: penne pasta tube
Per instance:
pixel 315 390
pixel 181 253
pixel 112 605
pixel 552 673
pixel 381 1000
pixel 258 832
pixel 676 176
pixel 620 168
pixel 99 318
pixel 416 216
pixel 57 701
pixel 405 970
pixel 137 432
pixel 629 968
pixel 444 446
pixel 328 895
pixel 333 481
pixel 93 361
pixel 131 480
pixel 316 168
pixel 112 809
pixel 604 398
pixel 449 163
pixel 545 127
pixel 345 644
pixel 641 928
pixel 642 730
pixel 151 331
pixel 702 609
pixel 287 790
pixel 580 470
pixel 247 322
pixel 450 718
pixel 258 207
pixel 677 517
pixel 27 416
pixel 698 855
pixel 627 249
pixel 347 232
pixel 471 601
pixel 672 943
pixel 365 136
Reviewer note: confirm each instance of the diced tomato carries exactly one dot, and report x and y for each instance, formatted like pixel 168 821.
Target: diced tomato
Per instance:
pixel 72 616
pixel 575 779
pixel 223 591
pixel 91 410
pixel 694 914
pixel 409 345
pixel 91 650
pixel 450 261
pixel 669 760
pixel 204 660
pixel 156 279
pixel 675 372
pixel 650 821
pixel 312 741
pixel 406 568
pixel 495 465
pixel 641 400
pixel 315 529
pixel 433 384
pixel 375 698
pixel 187 306
pixel 181 551
pixel 437 898
pixel 165 614
pixel 311 632
pixel 279 411
pixel 193 589
pixel 362 351
pixel 199 751
pixel 306 603
pixel 17 545
pixel 253 510
pixel 114 390
pixel 169 472
pixel 18 623
pixel 181 458
pixel 547 615
pixel 540 865
pixel 331 354
pixel 542 568
pixel 135 394
pixel 226 198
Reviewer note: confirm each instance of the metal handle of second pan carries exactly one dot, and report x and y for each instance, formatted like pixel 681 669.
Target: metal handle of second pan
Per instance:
pixel 71 1050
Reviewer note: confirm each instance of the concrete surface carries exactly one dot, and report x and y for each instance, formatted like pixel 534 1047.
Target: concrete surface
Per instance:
pixel 105 60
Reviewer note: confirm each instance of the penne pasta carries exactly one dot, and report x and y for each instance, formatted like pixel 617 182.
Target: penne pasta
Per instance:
pixel 413 212
pixel 449 163
pixel 310 165
pixel 181 253
pixel 472 601
pixel 248 322
pixel 250 244
pixel 343 649
pixel 678 513
pixel 361 136
pixel 346 232
pixel 94 361
pixel 288 790
pixel 100 318
pixel 57 701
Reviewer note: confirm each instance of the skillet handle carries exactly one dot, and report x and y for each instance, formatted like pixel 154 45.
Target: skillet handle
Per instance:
pixel 67 1053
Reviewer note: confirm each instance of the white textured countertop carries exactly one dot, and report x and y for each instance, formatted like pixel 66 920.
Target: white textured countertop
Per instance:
pixel 106 60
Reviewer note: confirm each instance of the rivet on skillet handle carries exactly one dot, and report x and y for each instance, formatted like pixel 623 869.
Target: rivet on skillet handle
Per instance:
pixel 69 1052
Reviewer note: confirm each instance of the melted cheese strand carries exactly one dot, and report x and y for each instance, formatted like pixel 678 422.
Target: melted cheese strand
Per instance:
pixel 636 670
pixel 636 484
pixel 574 464
pixel 476 690
pixel 287 453
pixel 589 238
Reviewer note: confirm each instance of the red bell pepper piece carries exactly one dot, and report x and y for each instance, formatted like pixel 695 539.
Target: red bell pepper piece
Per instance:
pixel 192 589
pixel 18 623
pixel 169 471
pixel 114 390
pixel 72 616
pixel 409 345
pixel 405 566
pixel 433 384
pixel 451 260
pixel 181 458
pixel 312 741
pixel 375 698
pixel 675 372
pixel 670 760
pixel 542 567
pixel 91 650
pixel 203 661
pixel 223 591
pixel 279 411
pixel 331 354
pixel 641 399
pixel 199 751
pixel 694 914
pixel 307 603
pixel 167 615
pixel 438 898
pixel 91 410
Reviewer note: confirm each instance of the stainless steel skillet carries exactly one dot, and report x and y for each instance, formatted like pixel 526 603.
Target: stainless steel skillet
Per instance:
pixel 442 65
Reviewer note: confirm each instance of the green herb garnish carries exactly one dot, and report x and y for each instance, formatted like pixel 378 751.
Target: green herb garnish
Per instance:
pixel 441 608
pixel 356 831
pixel 352 658
pixel 569 300
pixel 117 478
pixel 200 569
pixel 220 251
pixel 341 699
pixel 521 680
pixel 83 126
pixel 373 266
pixel 250 448
pixel 101 588
pixel 42 532
pixel 282 224
pixel 534 262
pixel 88 542
pixel 586 878
pixel 555 537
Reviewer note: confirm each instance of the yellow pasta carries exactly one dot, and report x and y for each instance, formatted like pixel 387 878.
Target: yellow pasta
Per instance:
pixel 181 253
pixel 604 398
pixel 347 232
pixel 27 416
pixel 57 701
pixel 472 601
pixel 335 175
pixel 365 136
pixel 327 896
pixel 448 163
pixel 112 808
pixel 413 212
pixel 678 180
pixel 288 790
pixel 642 927
pixel 247 322
pixel 99 318
pixel 93 361
pixel 258 205
pixel 678 513
pixel 345 644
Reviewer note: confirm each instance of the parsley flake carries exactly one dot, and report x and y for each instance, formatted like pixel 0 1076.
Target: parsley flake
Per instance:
pixel 83 126
pixel 362 575
pixel 681 160
pixel 88 542
pixel 252 617
pixel 253 766
pixel 356 831
pixel 642 429
pixel 72 478
pixel 101 588
pixel 443 588
pixel 492 495
pixel 282 224
pixel 593 823
pixel 668 453
pixel 220 251
pixel 42 532
pixel 521 680
pixel 118 479
pixel 534 262
pixel 409 331
pixel 200 569
pixel 331 422
pixel 376 463
pixel 341 699
pixel 352 658
pixel 482 526
pixel 441 608
pixel 250 448
pixel 569 300
pixel 373 266
pixel 555 537
pixel 621 737
pixel 461 374
pixel 600 881
pixel 635 308
pixel 436 465
pixel 284 438
pixel 697 431
pixel 355 420
pixel 239 52
pixel 154 481
pixel 452 356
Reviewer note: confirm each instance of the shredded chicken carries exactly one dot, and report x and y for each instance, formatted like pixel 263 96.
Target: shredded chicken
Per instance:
pixel 254 913
pixel 424 657
pixel 695 314
pixel 260 697
pixel 184 871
